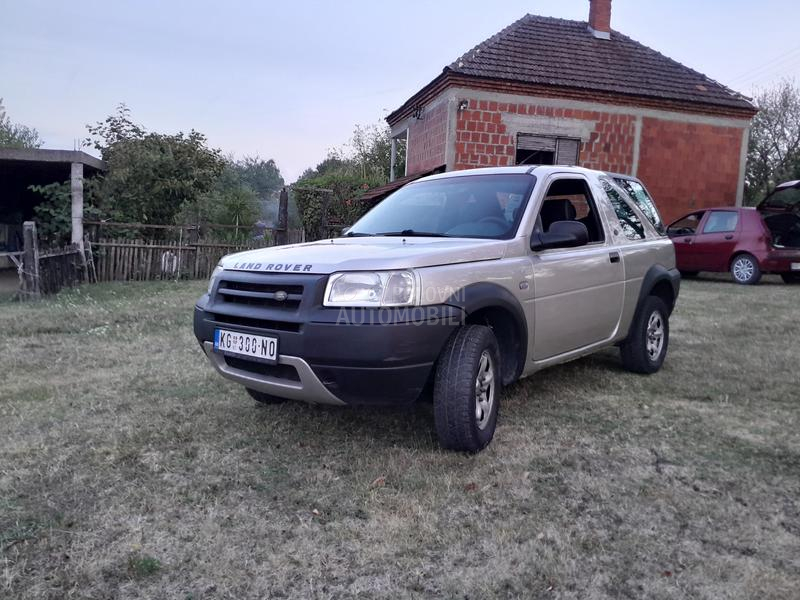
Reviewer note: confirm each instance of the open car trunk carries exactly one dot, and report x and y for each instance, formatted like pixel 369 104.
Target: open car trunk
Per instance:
pixel 781 213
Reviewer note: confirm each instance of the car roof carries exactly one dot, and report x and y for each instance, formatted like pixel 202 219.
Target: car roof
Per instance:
pixel 535 170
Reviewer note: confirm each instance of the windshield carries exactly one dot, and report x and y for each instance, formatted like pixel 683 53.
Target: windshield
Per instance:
pixel 476 206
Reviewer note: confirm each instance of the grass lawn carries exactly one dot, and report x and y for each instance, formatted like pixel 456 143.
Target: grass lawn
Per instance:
pixel 129 469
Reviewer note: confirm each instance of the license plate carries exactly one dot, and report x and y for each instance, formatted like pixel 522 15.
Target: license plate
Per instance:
pixel 256 347
pixel 795 266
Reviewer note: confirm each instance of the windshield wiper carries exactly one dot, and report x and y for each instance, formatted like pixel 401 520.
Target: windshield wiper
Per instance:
pixel 412 233
pixel 358 234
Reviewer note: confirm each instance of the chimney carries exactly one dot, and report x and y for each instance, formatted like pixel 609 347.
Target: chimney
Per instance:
pixel 600 18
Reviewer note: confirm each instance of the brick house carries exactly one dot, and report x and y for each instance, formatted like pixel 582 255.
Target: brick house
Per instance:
pixel 551 91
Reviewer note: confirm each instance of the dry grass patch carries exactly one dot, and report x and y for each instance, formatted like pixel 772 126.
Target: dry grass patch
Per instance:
pixel 128 469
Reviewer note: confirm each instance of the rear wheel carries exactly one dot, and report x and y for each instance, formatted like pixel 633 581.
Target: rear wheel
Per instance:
pixel 646 347
pixel 745 269
pixel 791 278
pixel 263 398
pixel 467 389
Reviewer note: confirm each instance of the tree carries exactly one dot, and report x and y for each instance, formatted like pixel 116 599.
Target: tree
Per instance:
pixel 14 135
pixel 348 171
pixel 262 176
pixel 774 150
pixel 151 176
pixel 366 155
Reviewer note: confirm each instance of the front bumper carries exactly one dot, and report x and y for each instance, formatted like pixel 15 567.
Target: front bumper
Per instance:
pixel 355 356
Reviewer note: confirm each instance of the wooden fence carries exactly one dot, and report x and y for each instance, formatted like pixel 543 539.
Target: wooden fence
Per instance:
pixel 60 268
pixel 47 271
pixel 141 260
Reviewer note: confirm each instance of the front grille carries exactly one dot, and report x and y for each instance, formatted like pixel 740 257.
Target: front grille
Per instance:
pixel 257 293
pixel 287 372
pixel 264 301
pixel 256 323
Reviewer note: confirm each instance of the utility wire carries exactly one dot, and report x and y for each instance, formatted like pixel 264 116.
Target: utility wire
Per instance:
pixel 757 71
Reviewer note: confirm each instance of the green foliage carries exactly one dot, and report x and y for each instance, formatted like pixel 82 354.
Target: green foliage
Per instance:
pixel 341 192
pixel 262 176
pixel 367 155
pixel 151 175
pixel 774 150
pixel 142 565
pixel 14 135
pixel 54 213
pixel 347 172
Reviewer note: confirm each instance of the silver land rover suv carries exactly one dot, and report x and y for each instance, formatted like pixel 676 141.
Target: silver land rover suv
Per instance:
pixel 459 283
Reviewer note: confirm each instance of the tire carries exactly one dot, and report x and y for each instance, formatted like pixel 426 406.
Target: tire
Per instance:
pixel 644 350
pixel 263 398
pixel 791 278
pixel 689 274
pixel 745 269
pixel 467 388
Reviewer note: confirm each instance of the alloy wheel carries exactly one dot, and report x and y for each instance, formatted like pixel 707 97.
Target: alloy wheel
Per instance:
pixel 743 269
pixel 655 335
pixel 484 390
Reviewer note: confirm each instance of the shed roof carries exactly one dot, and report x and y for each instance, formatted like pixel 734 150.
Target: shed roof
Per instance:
pixel 553 52
pixel 41 155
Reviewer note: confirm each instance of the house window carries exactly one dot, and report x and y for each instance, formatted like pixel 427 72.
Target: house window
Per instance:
pixel 544 150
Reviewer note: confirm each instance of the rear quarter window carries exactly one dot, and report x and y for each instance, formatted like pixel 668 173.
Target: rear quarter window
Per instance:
pixel 643 200
pixel 629 221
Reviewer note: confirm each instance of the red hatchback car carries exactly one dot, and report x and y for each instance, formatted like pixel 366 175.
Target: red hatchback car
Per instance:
pixel 745 241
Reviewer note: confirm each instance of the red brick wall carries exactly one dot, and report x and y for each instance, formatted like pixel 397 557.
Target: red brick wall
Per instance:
pixel 483 140
pixel 427 140
pixel 684 165
pixel 687 166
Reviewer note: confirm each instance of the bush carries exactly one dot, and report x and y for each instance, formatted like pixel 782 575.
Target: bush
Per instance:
pixel 344 209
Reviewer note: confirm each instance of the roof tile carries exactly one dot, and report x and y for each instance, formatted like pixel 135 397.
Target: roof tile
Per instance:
pixel 557 52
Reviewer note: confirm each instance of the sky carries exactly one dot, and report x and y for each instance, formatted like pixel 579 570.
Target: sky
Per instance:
pixel 290 80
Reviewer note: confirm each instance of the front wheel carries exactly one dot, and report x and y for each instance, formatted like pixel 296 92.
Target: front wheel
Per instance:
pixel 467 388
pixel 645 348
pixel 745 269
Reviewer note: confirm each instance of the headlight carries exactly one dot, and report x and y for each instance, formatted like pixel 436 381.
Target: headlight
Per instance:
pixel 380 288
pixel 214 276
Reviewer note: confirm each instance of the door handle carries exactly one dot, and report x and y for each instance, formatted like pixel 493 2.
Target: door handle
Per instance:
pixel 613 257
pixel 728 237
pixel 687 240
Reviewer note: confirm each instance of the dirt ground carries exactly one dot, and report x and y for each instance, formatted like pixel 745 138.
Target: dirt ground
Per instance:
pixel 128 469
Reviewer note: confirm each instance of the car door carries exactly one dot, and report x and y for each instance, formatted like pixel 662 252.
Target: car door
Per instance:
pixel 683 233
pixel 578 292
pixel 714 245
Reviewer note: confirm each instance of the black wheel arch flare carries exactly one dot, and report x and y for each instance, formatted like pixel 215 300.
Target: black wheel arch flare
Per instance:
pixel 659 278
pixel 493 301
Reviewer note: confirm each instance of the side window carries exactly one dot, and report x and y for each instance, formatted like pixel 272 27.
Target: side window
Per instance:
pixel 643 200
pixel 687 225
pixel 570 200
pixel 631 225
pixel 721 222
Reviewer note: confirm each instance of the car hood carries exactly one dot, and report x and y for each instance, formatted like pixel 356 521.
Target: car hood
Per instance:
pixel 364 254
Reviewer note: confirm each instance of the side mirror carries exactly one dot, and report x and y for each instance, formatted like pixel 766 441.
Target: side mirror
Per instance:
pixel 344 231
pixel 562 234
